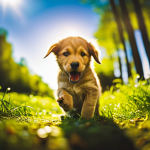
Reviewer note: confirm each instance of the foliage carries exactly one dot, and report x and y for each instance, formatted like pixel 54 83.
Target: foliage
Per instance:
pixel 107 27
pixel 125 102
pixel 14 104
pixel 145 5
pixel 107 34
pixel 108 37
pixel 105 72
pixel 17 76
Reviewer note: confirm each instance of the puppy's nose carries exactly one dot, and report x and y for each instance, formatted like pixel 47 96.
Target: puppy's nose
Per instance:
pixel 74 65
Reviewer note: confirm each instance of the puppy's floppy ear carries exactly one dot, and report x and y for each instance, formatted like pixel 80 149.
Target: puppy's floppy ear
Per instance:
pixel 53 48
pixel 93 52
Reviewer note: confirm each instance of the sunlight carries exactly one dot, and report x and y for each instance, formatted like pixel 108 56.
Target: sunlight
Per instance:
pixel 13 4
pixel 72 32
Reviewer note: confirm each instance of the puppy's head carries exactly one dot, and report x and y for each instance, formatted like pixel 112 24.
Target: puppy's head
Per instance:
pixel 73 56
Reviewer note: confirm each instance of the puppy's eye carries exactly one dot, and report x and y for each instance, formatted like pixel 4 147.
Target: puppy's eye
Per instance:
pixel 66 53
pixel 83 54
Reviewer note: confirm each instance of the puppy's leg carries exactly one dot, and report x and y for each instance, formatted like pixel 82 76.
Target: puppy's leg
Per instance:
pixel 64 99
pixel 97 108
pixel 89 104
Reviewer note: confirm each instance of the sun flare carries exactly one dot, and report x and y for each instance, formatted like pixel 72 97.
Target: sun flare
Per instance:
pixel 11 4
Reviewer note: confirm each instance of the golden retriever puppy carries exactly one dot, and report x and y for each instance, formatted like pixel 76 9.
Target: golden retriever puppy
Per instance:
pixel 78 86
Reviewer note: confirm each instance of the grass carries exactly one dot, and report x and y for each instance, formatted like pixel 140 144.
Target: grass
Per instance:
pixel 124 102
pixel 14 104
pixel 31 122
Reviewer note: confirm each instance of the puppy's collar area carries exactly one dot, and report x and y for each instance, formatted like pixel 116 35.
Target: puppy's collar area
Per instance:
pixel 74 76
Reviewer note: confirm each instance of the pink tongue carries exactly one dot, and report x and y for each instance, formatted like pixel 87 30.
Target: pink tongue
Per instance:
pixel 74 76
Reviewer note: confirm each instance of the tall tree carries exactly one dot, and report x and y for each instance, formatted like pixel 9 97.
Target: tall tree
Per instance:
pixel 142 26
pixel 120 28
pixel 130 31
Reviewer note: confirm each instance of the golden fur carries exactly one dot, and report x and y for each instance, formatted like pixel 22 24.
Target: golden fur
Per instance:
pixel 81 97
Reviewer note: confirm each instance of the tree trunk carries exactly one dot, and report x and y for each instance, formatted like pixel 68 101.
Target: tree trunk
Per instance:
pixel 118 21
pixel 142 27
pixel 136 57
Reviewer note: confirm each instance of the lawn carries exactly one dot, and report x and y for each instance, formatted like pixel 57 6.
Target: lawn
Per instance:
pixel 37 123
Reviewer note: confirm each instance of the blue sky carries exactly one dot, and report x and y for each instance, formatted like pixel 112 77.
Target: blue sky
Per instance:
pixel 33 25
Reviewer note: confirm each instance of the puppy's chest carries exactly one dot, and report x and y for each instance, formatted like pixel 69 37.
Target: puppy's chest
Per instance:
pixel 77 93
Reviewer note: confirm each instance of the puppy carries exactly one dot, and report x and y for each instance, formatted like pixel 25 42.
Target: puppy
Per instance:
pixel 78 86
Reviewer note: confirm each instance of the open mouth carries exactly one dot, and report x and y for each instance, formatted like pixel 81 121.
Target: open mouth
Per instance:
pixel 74 77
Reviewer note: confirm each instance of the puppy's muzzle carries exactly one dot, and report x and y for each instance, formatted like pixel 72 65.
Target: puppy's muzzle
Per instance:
pixel 74 75
pixel 74 65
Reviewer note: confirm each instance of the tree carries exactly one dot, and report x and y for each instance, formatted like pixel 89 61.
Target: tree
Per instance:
pixel 142 26
pixel 110 14
pixel 130 31
pixel 17 76
pixel 110 25
pixel 105 37
pixel 120 29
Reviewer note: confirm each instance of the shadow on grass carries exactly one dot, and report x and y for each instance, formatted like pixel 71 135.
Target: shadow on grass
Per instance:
pixel 97 133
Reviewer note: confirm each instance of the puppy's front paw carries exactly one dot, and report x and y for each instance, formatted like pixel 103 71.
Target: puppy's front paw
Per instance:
pixel 65 102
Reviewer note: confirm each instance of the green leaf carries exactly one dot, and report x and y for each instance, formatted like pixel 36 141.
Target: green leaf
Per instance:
pixel 117 81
